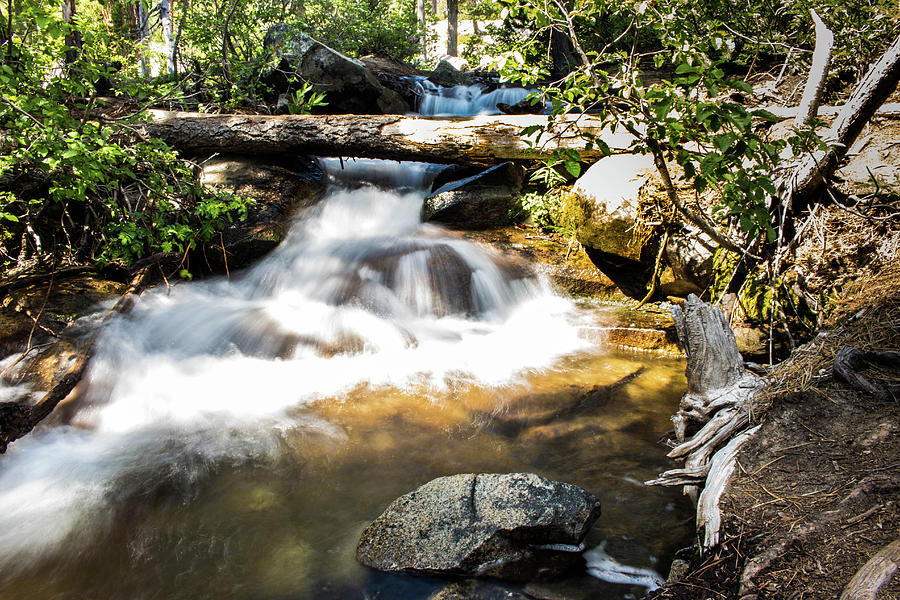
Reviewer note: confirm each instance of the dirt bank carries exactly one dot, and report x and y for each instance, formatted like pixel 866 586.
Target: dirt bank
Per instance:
pixel 817 490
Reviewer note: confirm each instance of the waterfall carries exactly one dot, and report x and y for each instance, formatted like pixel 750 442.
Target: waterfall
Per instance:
pixel 230 437
pixel 361 292
pixel 465 100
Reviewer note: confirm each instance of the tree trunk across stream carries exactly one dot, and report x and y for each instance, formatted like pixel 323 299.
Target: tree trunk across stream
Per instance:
pixel 473 140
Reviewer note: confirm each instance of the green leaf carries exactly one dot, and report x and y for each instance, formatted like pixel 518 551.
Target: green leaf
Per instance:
pixel 764 114
pixel 574 168
pixel 724 141
pixel 740 85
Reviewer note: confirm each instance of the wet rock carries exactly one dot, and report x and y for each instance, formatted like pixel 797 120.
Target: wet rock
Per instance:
pixel 429 277
pixel 449 72
pixel 15 327
pixel 349 86
pixel 523 107
pixel 473 589
pixel 396 75
pixel 476 202
pixel 56 305
pixel 280 186
pixel 15 421
pixel 643 338
pixel 508 526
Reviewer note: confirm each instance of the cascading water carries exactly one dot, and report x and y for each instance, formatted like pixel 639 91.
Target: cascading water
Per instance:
pixel 465 100
pixel 231 438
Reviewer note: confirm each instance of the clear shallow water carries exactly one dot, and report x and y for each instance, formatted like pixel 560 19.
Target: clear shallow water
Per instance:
pixel 235 437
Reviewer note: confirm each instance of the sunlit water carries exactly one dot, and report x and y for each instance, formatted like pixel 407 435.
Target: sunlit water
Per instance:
pixel 465 100
pixel 234 437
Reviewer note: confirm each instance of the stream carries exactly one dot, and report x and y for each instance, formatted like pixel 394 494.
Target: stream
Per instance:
pixel 234 437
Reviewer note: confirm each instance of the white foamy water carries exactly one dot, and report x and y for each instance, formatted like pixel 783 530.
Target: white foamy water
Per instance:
pixel 466 100
pixel 360 293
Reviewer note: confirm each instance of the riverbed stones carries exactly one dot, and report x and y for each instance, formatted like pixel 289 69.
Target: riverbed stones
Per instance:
pixel 508 526
pixel 479 201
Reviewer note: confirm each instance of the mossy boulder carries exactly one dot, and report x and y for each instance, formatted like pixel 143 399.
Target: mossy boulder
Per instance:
pixel 349 87
pixel 611 189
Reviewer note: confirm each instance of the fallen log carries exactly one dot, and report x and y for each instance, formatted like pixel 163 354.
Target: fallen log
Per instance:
pixel 888 110
pixel 472 140
pixel 808 176
pixel 818 72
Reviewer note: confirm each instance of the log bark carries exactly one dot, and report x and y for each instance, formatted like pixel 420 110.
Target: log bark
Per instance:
pixel 473 140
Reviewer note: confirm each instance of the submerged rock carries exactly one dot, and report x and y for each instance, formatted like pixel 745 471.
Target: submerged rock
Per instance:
pixel 473 589
pixel 476 202
pixel 516 526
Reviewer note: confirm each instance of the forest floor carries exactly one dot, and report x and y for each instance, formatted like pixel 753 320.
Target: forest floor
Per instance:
pixel 816 492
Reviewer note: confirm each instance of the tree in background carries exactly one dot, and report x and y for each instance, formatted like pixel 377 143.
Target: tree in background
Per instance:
pixel 76 186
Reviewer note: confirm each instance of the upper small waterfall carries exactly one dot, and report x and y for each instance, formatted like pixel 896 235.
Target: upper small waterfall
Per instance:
pixel 466 100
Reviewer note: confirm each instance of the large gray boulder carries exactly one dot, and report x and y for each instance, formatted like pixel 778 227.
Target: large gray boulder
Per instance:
pixel 477 202
pixel 349 86
pixel 516 526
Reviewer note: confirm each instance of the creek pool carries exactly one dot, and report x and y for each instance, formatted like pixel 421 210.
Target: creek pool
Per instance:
pixel 233 438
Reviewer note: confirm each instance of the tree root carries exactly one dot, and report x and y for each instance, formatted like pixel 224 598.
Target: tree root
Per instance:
pixel 848 361
pixel 719 395
pixel 880 569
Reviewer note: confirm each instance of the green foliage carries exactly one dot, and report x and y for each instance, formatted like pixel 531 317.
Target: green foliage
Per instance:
pixel 556 210
pixel 304 100
pixel 105 192
pixel 686 116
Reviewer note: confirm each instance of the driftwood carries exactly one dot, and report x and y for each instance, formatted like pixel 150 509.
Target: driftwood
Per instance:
pixel 473 140
pixel 720 469
pixel 818 72
pixel 879 570
pixel 17 419
pixel 718 401
pixel 808 176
